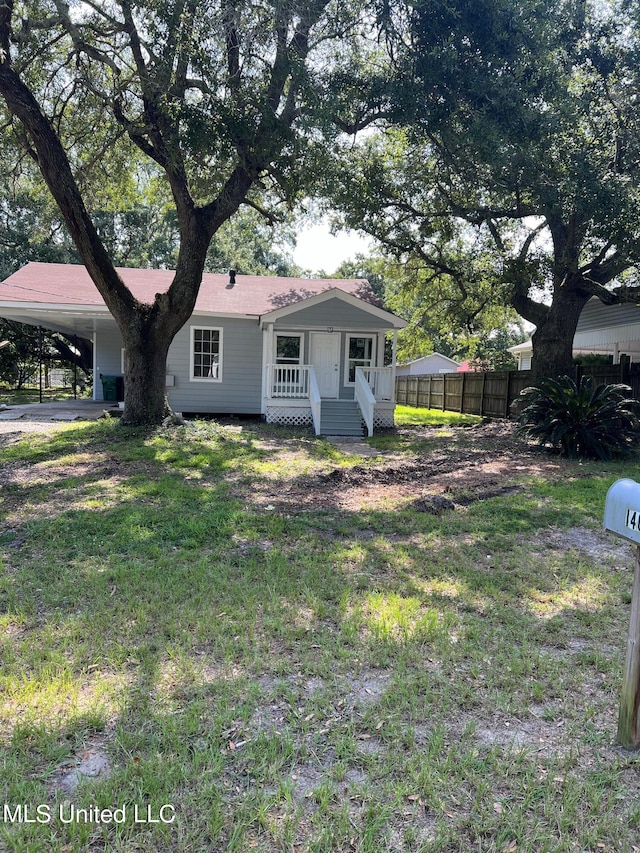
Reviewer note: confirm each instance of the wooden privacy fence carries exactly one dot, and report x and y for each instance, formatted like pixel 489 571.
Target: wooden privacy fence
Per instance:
pixel 491 394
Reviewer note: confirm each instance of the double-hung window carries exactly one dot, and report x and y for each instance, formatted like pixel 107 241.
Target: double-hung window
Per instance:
pixel 206 354
pixel 359 354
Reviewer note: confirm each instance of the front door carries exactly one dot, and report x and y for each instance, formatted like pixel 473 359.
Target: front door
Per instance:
pixel 325 358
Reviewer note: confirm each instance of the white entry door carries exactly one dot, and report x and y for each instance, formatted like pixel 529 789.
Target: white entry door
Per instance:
pixel 325 358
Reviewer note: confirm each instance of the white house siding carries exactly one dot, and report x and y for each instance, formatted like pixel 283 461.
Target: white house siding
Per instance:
pixel 596 317
pixel 524 360
pixel 606 329
pixel 613 329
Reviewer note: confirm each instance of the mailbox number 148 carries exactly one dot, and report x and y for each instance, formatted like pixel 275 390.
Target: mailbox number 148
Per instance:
pixel 633 519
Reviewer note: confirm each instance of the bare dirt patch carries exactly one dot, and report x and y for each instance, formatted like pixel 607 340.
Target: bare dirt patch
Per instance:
pixel 482 462
pixel 596 543
pixel 90 763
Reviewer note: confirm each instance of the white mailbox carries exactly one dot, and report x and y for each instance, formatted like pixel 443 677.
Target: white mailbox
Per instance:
pixel 622 510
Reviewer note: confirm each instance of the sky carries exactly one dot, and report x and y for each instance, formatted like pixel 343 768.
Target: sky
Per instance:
pixel 317 249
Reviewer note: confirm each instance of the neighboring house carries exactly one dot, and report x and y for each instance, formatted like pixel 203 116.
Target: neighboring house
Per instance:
pixel 468 367
pixel 602 330
pixel 298 351
pixel 434 363
pixel 522 354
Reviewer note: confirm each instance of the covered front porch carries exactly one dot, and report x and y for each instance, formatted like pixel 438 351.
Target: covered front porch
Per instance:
pixel 324 364
pixel 294 398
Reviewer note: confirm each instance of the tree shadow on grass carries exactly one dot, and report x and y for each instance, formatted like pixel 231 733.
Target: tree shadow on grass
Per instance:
pixel 169 617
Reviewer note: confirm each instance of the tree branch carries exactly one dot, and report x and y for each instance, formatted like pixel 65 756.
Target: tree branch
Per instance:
pixel 271 217
pixel 57 173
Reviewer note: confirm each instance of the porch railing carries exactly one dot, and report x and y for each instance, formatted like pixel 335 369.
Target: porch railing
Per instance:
pixel 315 400
pixel 365 398
pixel 289 380
pixel 380 380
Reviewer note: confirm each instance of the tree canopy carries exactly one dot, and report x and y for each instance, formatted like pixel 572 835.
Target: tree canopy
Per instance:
pixel 220 101
pixel 500 162
pixel 508 172
pixel 143 235
pixel 429 302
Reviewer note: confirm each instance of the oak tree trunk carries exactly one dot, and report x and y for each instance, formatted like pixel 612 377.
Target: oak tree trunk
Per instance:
pixel 145 399
pixel 553 339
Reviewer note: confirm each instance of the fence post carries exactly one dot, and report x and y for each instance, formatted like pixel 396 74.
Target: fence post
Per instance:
pixel 464 376
pixel 625 362
pixel 508 396
pixel 429 393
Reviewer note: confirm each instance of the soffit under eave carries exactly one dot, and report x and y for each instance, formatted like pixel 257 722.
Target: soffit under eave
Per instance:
pixel 83 324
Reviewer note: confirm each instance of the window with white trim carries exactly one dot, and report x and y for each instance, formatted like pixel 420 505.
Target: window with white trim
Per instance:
pixel 359 354
pixel 289 348
pixel 206 354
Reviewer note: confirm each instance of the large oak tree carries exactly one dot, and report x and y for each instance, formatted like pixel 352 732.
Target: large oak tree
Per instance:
pixel 220 98
pixel 515 135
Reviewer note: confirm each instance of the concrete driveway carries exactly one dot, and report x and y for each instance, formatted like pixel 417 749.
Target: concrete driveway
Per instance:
pixel 66 410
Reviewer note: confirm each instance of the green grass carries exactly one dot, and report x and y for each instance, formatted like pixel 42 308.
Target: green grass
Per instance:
pixel 407 415
pixel 333 674
pixel 412 422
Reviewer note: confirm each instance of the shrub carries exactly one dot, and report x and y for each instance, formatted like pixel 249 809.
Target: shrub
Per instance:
pixel 580 422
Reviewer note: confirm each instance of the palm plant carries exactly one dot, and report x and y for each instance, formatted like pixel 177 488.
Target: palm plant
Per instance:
pixel 579 421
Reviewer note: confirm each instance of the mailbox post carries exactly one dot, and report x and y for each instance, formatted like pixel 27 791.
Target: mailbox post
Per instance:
pixel 622 517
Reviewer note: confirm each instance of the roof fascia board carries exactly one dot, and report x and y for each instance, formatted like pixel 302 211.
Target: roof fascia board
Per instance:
pixel 82 308
pixel 100 310
pixel 225 315
pixel 294 327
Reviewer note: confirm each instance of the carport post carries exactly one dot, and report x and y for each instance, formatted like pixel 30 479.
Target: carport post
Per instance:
pixel 40 348
pixel 75 367
pixel 628 723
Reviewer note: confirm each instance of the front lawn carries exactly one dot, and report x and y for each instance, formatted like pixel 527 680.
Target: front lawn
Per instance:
pixel 232 639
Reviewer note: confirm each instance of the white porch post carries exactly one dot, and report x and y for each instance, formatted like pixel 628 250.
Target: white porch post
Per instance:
pixel 394 353
pixel 267 359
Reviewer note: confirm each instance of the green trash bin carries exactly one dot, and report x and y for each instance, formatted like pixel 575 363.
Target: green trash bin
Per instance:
pixel 112 388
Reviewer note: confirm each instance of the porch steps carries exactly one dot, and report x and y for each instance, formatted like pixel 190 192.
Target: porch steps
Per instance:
pixel 340 417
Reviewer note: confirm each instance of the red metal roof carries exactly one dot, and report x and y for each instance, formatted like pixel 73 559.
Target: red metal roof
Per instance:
pixel 70 284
